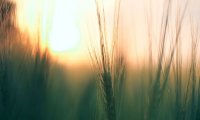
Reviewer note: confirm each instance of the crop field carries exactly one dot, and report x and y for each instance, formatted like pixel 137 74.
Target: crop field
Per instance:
pixel 144 67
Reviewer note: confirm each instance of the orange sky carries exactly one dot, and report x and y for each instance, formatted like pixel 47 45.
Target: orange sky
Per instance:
pixel 67 25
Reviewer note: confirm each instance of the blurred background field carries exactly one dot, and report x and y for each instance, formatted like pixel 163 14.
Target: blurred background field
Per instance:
pixel 99 60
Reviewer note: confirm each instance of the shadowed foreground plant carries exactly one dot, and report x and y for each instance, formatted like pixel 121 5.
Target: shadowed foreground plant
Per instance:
pixel 87 106
pixel 38 84
pixel 164 64
pixel 109 63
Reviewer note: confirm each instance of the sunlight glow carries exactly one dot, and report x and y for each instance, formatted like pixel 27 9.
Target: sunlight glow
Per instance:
pixel 64 34
pixel 62 24
pixel 55 20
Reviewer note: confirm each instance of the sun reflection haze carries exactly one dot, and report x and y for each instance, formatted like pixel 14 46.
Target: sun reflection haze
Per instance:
pixel 55 20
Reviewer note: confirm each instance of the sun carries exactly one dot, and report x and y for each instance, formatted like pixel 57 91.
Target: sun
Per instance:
pixel 56 20
pixel 64 40
pixel 64 34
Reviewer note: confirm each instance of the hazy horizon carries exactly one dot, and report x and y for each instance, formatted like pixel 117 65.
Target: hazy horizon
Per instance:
pixel 82 14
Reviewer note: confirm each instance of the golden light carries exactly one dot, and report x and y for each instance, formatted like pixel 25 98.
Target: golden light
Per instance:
pixel 55 20
pixel 64 34
pixel 62 39
pixel 58 24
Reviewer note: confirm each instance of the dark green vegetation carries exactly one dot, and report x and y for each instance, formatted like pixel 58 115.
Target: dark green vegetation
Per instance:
pixel 34 87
